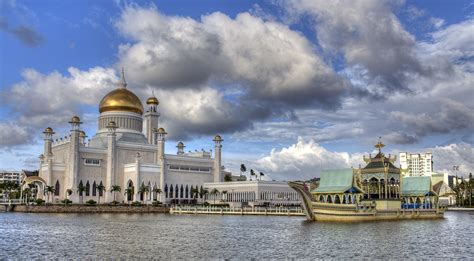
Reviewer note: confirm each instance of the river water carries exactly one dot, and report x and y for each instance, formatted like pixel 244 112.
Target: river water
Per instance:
pixel 93 236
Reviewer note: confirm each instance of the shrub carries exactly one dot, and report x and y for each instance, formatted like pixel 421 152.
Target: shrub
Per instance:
pixel 136 203
pixel 66 202
pixel 156 203
pixel 91 202
pixel 205 204
pixel 39 201
pixel 114 203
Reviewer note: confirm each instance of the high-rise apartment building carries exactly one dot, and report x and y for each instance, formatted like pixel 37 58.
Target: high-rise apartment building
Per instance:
pixel 416 164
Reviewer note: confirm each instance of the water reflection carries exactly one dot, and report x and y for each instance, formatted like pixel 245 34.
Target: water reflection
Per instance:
pixel 182 236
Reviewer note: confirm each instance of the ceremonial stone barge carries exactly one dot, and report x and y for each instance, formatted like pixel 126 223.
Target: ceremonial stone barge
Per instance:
pixel 376 192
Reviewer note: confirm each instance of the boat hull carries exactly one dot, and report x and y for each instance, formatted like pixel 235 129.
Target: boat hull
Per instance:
pixel 330 212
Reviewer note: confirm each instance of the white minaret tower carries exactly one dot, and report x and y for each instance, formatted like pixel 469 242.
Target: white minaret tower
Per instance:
pixel 47 156
pixel 160 155
pixel 180 147
pixel 217 158
pixel 73 167
pixel 111 148
pixel 151 119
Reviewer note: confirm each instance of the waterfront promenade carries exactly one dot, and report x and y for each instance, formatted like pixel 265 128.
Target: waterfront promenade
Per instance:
pixel 216 210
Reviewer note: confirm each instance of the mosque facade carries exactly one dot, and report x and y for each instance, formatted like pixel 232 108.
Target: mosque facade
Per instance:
pixel 128 151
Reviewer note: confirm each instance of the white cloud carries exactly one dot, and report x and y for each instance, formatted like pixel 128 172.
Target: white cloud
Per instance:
pixel 12 134
pixel 461 154
pixel 304 160
pixel 269 60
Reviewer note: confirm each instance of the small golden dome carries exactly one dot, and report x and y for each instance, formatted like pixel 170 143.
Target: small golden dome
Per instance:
pixel 75 119
pixel 82 134
pixel 121 100
pixel 218 138
pixel 161 130
pixel 180 145
pixel 152 100
pixel 48 130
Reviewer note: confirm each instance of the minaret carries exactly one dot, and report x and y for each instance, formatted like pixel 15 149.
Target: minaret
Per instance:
pixel 180 147
pixel 151 119
pixel 110 176
pixel 160 155
pixel 73 168
pixel 160 141
pixel 217 158
pixel 48 153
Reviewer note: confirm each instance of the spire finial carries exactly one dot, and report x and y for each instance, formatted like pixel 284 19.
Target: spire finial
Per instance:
pixel 122 83
pixel 380 145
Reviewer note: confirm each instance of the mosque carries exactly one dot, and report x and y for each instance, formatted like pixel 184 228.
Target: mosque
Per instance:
pixel 128 151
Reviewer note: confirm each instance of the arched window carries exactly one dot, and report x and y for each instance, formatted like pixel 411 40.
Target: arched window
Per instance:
pixel 329 200
pixel 187 191
pixel 56 188
pixel 176 191
pixel 181 193
pixel 171 191
pixel 337 199
pixel 166 190
pixel 321 198
pixel 94 189
pixel 88 189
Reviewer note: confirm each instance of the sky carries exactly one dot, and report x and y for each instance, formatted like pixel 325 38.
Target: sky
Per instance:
pixel 293 87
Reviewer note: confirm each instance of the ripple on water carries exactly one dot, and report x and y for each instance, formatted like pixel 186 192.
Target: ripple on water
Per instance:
pixel 185 236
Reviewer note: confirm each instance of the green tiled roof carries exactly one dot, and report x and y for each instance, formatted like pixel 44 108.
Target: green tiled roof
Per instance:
pixel 416 186
pixel 335 181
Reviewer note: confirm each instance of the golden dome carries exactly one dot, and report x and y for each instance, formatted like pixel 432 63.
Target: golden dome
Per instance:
pixel 161 130
pixel 121 100
pixel 48 130
pixel 82 134
pixel 152 100
pixel 75 119
pixel 218 138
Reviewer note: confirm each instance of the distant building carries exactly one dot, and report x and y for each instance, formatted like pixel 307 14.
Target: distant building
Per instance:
pixel 416 164
pixel 10 175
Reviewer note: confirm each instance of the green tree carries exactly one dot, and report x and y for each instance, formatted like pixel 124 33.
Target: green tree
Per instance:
pixel 128 193
pixel 214 192
pixel 144 191
pixel 243 169
pixel 227 178
pixel 252 173
pixel 115 189
pixel 100 189
pixel 203 192
pixel 80 189
pixel 48 190
pixel 158 192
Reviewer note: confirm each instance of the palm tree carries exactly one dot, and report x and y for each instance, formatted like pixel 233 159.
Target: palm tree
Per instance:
pixel 144 190
pixel 214 192
pixel 80 190
pixel 27 193
pixel 243 169
pixel 261 174
pixel 114 189
pixel 195 192
pixel 128 192
pixel 157 191
pixel 252 173
pixel 48 190
pixel 203 192
pixel 100 189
